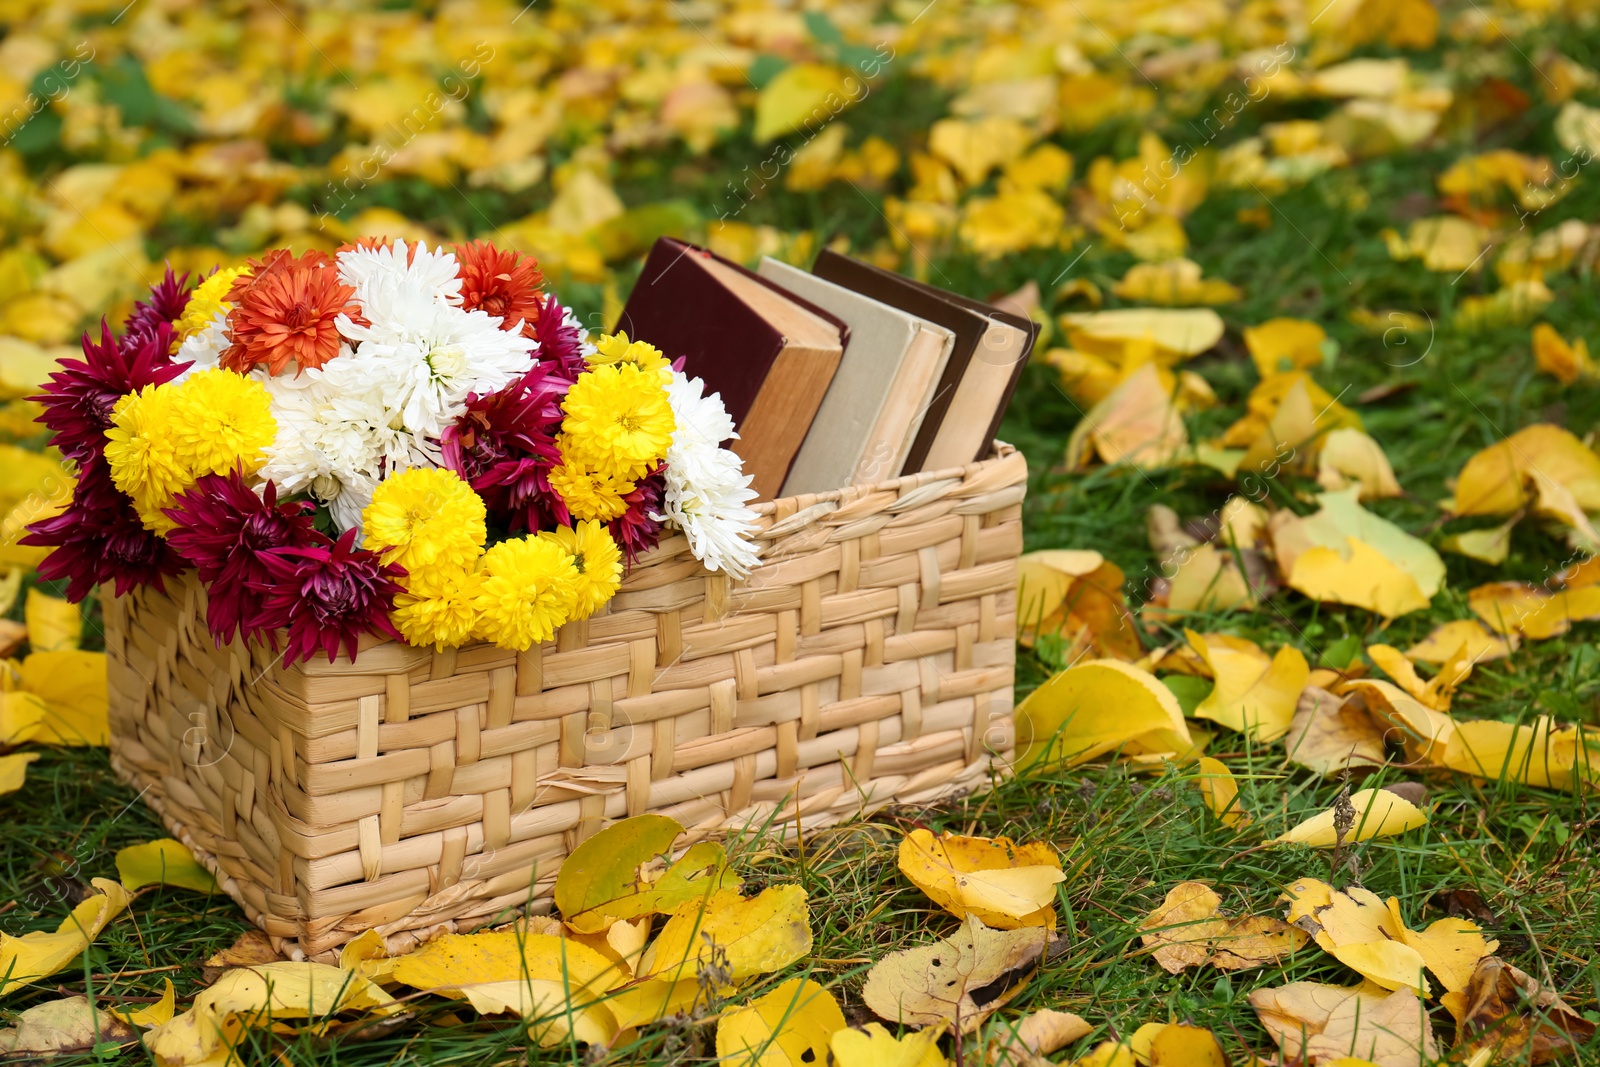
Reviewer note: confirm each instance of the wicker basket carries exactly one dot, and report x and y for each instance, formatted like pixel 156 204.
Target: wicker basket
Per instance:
pixel 868 661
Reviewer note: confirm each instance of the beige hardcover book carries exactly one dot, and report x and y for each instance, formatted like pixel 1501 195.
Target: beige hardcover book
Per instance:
pixel 873 409
pixel 981 395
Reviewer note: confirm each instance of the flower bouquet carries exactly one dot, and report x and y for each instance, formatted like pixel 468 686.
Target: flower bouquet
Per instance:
pixel 413 443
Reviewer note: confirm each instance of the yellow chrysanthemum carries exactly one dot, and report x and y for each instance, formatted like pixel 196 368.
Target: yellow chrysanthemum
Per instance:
pixel 439 607
pixel 423 518
pixel 618 420
pixel 598 561
pixel 588 493
pixel 529 589
pixel 615 348
pixel 142 453
pixel 220 421
pixel 205 302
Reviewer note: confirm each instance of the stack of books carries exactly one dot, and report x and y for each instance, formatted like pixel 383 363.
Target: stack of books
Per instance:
pixel 848 375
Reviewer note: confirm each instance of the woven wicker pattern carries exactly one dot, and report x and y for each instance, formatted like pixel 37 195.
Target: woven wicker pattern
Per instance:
pixel 868 661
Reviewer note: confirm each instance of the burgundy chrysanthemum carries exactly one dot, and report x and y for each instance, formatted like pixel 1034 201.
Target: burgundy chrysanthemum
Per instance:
pixel 327 596
pixel 634 530
pixel 168 299
pixel 558 341
pixel 504 446
pixel 79 397
pixel 226 530
pixel 100 538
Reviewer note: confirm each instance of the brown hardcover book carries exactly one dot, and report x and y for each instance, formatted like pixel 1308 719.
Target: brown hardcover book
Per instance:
pixel 991 349
pixel 769 353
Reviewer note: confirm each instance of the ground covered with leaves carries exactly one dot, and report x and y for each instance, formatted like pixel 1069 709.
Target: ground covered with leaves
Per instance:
pixel 1310 435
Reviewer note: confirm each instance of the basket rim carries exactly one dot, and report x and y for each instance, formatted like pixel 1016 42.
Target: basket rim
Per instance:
pixel 998 450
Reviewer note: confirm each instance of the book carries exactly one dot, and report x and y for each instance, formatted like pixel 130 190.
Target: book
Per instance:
pixel 870 416
pixel 990 350
pixel 771 354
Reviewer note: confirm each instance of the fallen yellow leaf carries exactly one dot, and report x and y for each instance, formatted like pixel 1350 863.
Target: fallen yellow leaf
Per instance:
pixel 163 862
pixel 1246 698
pixel 1562 361
pixel 1221 792
pixel 1091 708
pixel 40 954
pixel 1435 693
pixel 1377 813
pixel 1466 636
pixel 1496 480
pixel 873 1046
pixel 1544 754
pixel 958 981
pixel 1349 457
pixel 1279 346
pixel 1535 612
pixel 14 770
pixel 1003 884
pixel 258 996
pixel 54 624
pixel 802 96
pixel 748 937
pixel 1173 282
pixel 1175 333
pixel 792 1026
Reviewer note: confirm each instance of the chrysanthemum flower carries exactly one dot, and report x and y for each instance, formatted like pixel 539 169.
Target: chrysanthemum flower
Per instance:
pixel 221 421
pixel 226 530
pixel 597 560
pixel 142 453
pixel 707 492
pixel 285 312
pixel 79 398
pixel 638 528
pixel 560 340
pixel 169 298
pixel 619 420
pixel 501 283
pixel 587 492
pixel 614 349
pixel 424 518
pixel 327 596
pixel 504 446
pixel 529 590
pixel 207 301
pixel 100 538
pixel 439 607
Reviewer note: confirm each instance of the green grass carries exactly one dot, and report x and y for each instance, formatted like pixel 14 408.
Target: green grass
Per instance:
pixel 1126 838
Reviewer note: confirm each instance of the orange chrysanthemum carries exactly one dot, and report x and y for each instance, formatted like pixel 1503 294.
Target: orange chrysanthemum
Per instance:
pixel 284 310
pixel 503 283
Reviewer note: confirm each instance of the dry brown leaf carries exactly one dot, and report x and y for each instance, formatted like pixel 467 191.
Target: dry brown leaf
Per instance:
pixel 1137 424
pixel 1506 1011
pixel 61 1028
pixel 1027 1042
pixel 1295 1013
pixel 1330 734
pixel 959 981
pixel 250 950
pixel 1395 1032
pixel 1189 930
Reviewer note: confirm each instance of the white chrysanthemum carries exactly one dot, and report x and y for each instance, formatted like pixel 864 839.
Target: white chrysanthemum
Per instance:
pixel 428 358
pixel 707 491
pixel 585 347
pixel 388 276
pixel 336 439
pixel 203 350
